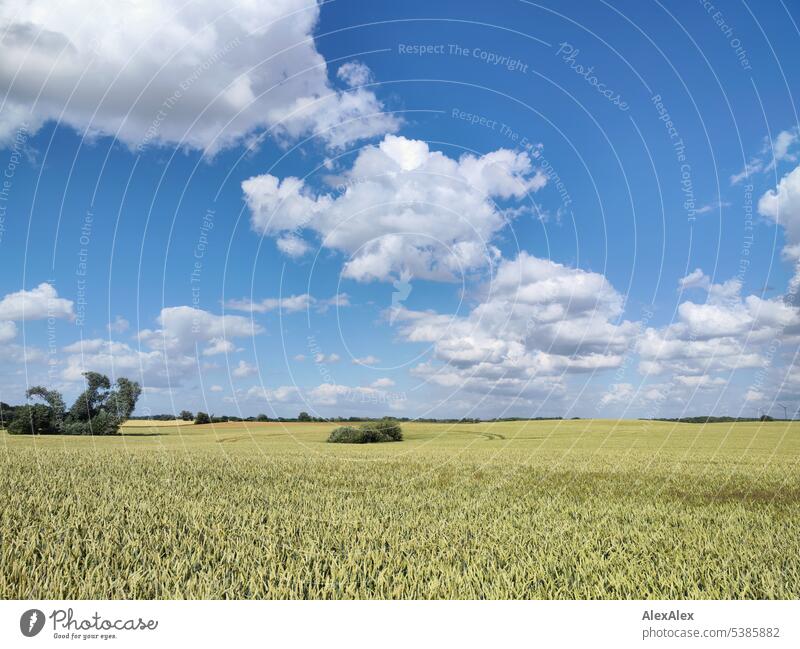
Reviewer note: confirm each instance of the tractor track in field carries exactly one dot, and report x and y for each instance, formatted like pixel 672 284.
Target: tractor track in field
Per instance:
pixel 489 436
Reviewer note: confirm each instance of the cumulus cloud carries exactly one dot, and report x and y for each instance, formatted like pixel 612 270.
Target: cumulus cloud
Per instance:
pixel 291 304
pixel 119 325
pixel 696 279
pixel 183 327
pixel 202 74
pixel 331 394
pixel 152 367
pixel 782 205
pixel 257 393
pixel 538 321
pixel 292 246
pixel 37 304
pixel 8 331
pixel 622 393
pixel 167 356
pixel 405 208
pixel 219 346
pixel 244 369
pixel 726 332
pixel 354 73
pixel 383 382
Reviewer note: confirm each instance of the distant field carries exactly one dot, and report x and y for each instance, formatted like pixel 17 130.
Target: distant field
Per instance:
pixel 155 423
pixel 573 509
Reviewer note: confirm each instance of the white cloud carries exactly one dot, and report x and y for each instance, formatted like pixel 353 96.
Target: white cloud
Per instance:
pixel 153 368
pixel 86 346
pixel 329 358
pixel 354 73
pixel 782 205
pixel 8 331
pixel 711 207
pixel 726 332
pixel 331 394
pixel 168 357
pixel 119 325
pixel 702 381
pixel 216 388
pixel 183 327
pixel 292 246
pixel 202 74
pixel 340 300
pixel 405 208
pixel 282 394
pixel 37 304
pixel 291 304
pixel 367 360
pixel 696 279
pixel 622 393
pixel 219 346
pixel 539 320
pixel 299 357
pixel 244 369
pixel 383 382
pixel 781 149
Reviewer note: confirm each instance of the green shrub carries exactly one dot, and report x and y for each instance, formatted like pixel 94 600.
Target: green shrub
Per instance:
pixel 369 433
pixel 103 423
pixel 387 427
pixel 33 419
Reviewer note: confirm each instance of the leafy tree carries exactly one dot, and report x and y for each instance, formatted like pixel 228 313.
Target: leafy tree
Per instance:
pixel 39 419
pixel 88 404
pixel 122 401
pixel 6 414
pixel 186 415
pixel 202 418
pixel 262 417
pixel 98 410
pixel 304 416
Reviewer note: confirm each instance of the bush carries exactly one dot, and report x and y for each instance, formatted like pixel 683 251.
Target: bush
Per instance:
pixel 35 419
pixel 369 433
pixel 202 418
pixel 388 427
pixel 103 423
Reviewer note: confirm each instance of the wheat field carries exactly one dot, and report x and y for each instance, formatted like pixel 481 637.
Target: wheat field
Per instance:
pixel 548 509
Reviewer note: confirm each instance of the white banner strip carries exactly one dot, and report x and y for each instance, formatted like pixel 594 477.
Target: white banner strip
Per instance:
pixel 400 624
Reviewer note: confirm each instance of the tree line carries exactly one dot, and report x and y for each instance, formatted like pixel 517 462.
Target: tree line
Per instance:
pixel 99 410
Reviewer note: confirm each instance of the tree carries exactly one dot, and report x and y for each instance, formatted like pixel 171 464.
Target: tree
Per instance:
pixel 32 419
pixel 304 416
pixel 88 404
pixel 262 417
pixel 122 401
pixel 6 414
pixel 186 415
pixel 202 418
pixel 98 410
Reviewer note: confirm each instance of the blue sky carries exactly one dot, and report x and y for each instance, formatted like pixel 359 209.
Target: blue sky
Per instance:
pixel 426 209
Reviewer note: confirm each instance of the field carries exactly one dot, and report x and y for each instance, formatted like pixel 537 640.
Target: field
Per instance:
pixel 578 509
